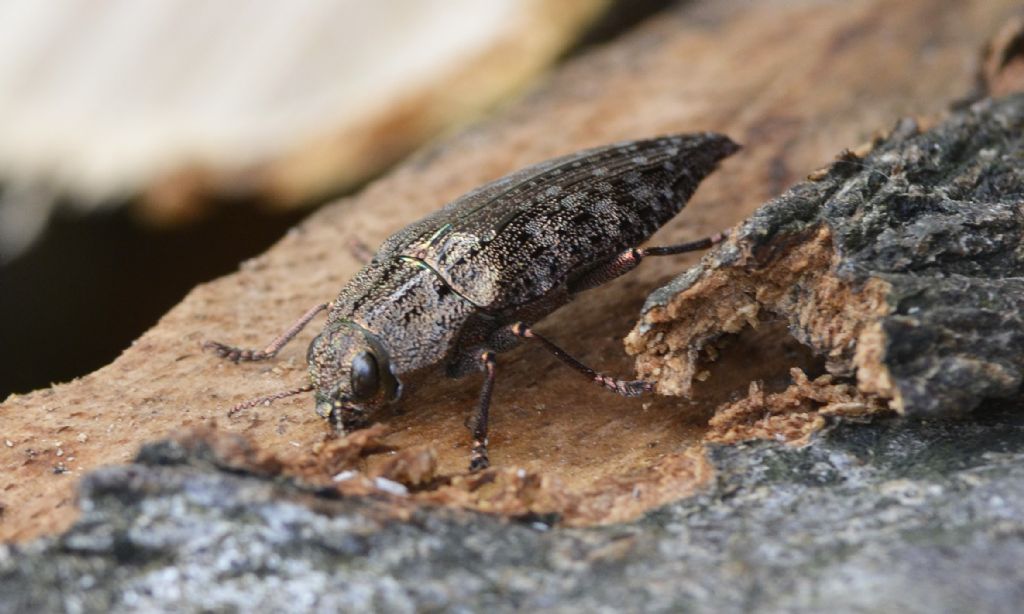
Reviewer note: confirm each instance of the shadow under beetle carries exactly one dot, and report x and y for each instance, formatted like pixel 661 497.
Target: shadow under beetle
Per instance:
pixel 468 281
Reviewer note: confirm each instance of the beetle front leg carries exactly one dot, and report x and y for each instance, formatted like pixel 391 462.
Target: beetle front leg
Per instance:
pixel 631 258
pixel 478 458
pixel 235 354
pixel 625 387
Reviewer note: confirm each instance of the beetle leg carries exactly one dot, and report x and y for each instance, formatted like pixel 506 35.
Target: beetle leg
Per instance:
pixel 627 388
pixel 478 458
pixel 360 250
pixel 270 398
pixel 235 354
pixel 631 258
pixel 682 248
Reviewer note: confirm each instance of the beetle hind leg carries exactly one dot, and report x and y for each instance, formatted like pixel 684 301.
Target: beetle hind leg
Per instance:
pixel 626 388
pixel 631 258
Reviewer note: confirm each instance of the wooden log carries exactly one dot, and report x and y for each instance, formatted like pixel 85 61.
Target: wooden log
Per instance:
pixel 789 80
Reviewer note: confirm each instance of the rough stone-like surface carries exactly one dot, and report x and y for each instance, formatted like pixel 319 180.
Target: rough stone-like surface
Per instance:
pixel 902 267
pixel 893 516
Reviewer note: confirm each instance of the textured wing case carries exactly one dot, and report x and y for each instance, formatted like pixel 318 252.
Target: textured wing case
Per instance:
pixel 515 240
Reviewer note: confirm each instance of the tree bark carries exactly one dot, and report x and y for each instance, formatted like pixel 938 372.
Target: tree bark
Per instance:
pixel 901 267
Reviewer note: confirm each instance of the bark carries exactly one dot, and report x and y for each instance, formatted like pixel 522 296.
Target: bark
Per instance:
pixel 931 518
pixel 902 267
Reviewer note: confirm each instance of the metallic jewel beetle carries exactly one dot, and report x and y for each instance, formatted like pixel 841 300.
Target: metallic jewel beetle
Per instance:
pixel 468 281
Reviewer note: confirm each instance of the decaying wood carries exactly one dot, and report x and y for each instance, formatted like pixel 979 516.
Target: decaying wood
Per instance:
pixel 901 267
pixel 788 80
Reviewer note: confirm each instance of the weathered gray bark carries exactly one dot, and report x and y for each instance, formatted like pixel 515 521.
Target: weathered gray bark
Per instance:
pixel 867 518
pixel 903 267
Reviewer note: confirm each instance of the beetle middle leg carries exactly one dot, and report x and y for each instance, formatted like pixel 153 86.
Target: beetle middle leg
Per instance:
pixel 478 457
pixel 236 354
pixel 631 258
pixel 627 388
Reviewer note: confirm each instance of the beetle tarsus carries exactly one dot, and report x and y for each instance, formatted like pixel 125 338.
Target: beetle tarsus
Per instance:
pixel 625 387
pixel 235 354
pixel 478 460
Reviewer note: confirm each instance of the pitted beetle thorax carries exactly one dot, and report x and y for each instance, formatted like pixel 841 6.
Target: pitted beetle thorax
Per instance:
pixel 350 371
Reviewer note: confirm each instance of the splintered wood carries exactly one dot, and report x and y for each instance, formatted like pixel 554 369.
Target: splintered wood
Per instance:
pixel 900 266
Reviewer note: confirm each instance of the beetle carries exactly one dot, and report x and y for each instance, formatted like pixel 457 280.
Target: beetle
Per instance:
pixel 468 281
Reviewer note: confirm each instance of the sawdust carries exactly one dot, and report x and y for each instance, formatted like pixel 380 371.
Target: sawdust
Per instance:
pixel 361 465
pixel 791 416
pixel 793 282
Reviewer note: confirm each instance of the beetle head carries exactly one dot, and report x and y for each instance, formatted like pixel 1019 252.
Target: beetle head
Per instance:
pixel 351 374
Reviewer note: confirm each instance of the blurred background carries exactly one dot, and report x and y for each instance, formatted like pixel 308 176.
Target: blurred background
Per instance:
pixel 149 146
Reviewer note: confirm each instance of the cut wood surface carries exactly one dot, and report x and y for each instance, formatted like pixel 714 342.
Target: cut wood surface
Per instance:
pixel 286 102
pixel 794 82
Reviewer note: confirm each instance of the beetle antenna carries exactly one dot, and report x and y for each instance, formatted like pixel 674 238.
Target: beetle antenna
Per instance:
pixel 267 400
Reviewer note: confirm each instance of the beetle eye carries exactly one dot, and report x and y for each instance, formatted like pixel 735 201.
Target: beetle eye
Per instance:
pixel 365 377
